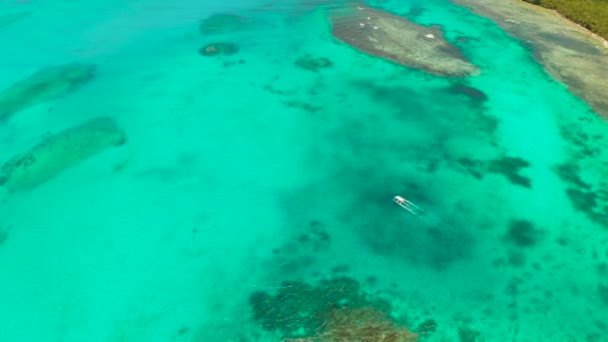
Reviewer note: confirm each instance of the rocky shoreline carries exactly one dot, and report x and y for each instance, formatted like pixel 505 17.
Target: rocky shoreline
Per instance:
pixel 570 53
pixel 589 14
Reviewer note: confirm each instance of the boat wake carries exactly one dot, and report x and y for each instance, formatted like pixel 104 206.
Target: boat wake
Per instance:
pixel 420 213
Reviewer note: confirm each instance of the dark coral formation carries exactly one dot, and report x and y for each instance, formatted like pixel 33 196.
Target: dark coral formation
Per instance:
pixel 407 102
pixel 523 234
pixel 308 62
pixel 602 293
pixel 509 167
pixel 583 144
pixel 3 234
pixel 304 106
pixel 470 92
pixel 416 11
pixel 474 167
pixel 44 85
pixel 297 305
pixel 222 23
pixel 219 48
pixel 59 152
pixel 467 334
pixel 394 38
pixel 317 238
pixel 334 310
pixel 591 200
pixel 303 249
pixel 427 327
pixel 592 204
pixel 569 173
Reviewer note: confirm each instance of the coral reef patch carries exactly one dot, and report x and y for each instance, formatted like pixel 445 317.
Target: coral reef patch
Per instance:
pixel 221 23
pixel 360 325
pixel 308 62
pixel 470 92
pixel 3 234
pixel 602 292
pixel 59 152
pixel 334 310
pixel 426 328
pixel 509 167
pixel 304 106
pixel 43 85
pixel 589 199
pixel 303 249
pixel 215 49
pixel 467 334
pixel 523 234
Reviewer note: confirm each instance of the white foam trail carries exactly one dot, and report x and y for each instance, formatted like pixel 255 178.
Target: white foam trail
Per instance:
pixel 417 211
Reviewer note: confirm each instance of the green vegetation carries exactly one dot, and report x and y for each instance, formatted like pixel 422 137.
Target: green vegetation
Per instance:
pixel 591 14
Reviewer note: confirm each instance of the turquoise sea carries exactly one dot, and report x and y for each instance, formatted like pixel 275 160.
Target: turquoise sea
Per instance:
pixel 248 195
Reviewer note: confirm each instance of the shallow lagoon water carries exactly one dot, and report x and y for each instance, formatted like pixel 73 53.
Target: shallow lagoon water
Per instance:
pixel 241 171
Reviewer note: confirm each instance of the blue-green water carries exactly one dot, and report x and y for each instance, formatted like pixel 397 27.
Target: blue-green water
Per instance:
pixel 245 170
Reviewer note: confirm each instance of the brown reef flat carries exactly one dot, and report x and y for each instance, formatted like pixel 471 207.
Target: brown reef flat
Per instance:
pixel 569 53
pixel 385 35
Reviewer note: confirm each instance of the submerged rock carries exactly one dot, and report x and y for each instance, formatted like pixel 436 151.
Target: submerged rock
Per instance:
pixel 222 23
pixel 8 19
pixel 43 85
pixel 523 234
pixel 59 152
pixel 399 40
pixel 467 334
pixel 470 92
pixel 308 62
pixel 215 49
pixel 3 234
pixel 602 292
pixel 588 198
pixel 427 327
pixel 509 167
